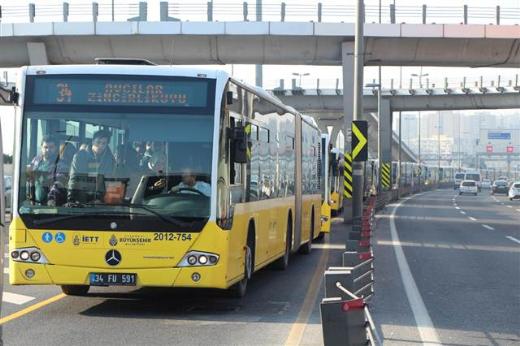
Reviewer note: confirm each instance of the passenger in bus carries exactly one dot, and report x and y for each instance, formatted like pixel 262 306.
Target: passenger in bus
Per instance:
pixel 41 171
pixel 127 166
pixel 88 169
pixel 139 148
pixel 190 182
pixel 147 154
pixel 58 191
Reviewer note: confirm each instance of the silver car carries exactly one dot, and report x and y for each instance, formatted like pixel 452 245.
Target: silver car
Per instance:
pixel 514 191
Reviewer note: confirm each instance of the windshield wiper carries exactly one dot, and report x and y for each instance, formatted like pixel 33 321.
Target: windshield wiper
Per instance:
pixel 166 218
pixel 73 216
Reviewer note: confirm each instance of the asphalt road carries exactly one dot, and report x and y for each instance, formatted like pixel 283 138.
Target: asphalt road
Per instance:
pixel 461 287
pixel 463 277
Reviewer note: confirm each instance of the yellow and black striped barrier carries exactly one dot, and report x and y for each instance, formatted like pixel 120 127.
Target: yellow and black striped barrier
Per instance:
pixel 347 176
pixel 386 175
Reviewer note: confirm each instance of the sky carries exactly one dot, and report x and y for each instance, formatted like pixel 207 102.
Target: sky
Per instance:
pixel 273 73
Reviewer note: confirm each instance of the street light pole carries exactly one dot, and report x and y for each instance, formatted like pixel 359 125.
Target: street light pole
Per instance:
pixel 358 167
pixel 460 163
pixel 420 174
pixel 439 140
pixel 379 135
pixel 300 75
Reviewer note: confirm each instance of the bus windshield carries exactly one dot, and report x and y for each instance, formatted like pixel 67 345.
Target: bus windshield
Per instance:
pixel 141 167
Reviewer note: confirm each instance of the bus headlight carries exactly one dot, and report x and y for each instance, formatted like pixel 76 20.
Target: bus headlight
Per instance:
pixel 198 258
pixel 203 259
pixel 28 255
pixel 35 256
pixel 192 260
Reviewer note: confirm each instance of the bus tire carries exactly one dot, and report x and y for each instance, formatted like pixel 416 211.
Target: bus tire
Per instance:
pixel 320 237
pixel 283 262
pixel 307 247
pixel 240 288
pixel 75 290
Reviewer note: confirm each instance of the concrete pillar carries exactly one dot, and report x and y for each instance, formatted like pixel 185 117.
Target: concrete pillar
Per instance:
pixel 386 130
pixel 334 135
pixel 347 57
pixel 37 53
pixel 259 75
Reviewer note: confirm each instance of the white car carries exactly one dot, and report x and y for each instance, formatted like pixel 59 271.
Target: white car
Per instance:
pixel 468 186
pixel 486 184
pixel 514 191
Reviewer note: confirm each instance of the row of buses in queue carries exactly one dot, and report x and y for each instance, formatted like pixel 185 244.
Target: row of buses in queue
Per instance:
pixel 143 175
pixel 414 178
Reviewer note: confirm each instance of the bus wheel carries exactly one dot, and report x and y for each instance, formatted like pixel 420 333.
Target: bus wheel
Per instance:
pixel 320 237
pixel 75 290
pixel 240 288
pixel 283 262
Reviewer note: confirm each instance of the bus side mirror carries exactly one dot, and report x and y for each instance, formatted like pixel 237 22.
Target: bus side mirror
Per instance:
pixel 239 144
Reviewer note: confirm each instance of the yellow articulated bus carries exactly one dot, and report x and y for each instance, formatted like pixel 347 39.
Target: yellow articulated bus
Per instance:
pixel 336 182
pixel 326 210
pixel 157 176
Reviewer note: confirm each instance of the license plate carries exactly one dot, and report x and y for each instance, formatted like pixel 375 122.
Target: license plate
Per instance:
pixel 113 279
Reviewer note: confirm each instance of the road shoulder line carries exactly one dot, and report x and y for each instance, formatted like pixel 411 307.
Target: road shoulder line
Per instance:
pixel 298 328
pixel 423 320
pixel 31 308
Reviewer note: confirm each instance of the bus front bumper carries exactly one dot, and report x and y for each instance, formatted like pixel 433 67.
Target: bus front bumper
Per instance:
pixel 45 274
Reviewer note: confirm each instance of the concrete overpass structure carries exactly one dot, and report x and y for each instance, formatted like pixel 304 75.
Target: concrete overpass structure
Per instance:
pixel 299 43
pixel 326 105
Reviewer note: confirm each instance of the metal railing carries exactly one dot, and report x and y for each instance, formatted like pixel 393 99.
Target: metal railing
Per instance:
pixel 278 11
pixel 345 316
pixel 466 83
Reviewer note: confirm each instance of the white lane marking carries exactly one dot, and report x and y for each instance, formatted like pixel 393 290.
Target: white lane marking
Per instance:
pixel 488 227
pixel 518 210
pixel 513 239
pixel 472 218
pixel 458 208
pixel 510 206
pixel 463 212
pixel 6 270
pixel 6 255
pixel 14 298
pixel 422 318
pixel 501 203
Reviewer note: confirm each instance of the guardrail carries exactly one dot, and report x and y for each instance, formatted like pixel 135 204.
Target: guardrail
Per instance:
pixel 345 315
pixel 277 11
pixel 479 83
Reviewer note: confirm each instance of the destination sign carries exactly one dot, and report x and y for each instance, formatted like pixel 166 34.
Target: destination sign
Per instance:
pixel 499 135
pixel 107 91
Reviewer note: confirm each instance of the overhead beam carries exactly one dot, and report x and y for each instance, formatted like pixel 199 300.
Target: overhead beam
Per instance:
pixel 334 103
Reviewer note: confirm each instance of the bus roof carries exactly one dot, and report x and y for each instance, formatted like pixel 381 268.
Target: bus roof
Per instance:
pixel 159 70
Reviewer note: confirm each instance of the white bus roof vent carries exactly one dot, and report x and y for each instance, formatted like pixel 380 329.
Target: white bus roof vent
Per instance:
pixel 123 61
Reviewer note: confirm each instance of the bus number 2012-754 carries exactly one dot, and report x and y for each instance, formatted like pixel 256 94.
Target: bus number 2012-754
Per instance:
pixel 170 236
